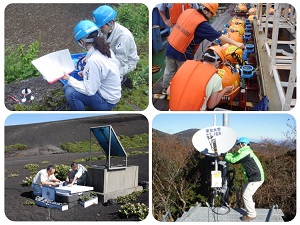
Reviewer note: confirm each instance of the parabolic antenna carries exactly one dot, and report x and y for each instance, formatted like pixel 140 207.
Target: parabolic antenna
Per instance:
pixel 215 140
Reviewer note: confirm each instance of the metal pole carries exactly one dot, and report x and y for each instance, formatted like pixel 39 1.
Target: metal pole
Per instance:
pixel 225 167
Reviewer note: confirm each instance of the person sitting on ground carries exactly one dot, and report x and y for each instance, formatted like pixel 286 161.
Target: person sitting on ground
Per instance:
pixel 76 175
pixel 197 85
pixel 44 177
pixel 120 40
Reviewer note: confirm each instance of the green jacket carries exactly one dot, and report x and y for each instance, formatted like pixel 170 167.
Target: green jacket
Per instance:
pixel 252 168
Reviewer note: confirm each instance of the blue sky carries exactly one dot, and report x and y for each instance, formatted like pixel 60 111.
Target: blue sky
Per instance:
pixel 254 126
pixel 19 119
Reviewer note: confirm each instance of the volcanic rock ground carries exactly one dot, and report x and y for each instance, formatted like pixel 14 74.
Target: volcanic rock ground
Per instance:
pixel 43 141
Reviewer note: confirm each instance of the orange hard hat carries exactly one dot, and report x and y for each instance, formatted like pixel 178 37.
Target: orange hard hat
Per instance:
pixel 252 11
pixel 211 7
pixel 219 50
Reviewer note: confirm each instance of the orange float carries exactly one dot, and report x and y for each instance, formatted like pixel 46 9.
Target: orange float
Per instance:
pixel 229 78
pixel 252 11
pixel 242 7
pixel 233 53
pixel 237 28
pixel 251 18
pixel 237 21
pixel 234 36
pixel 271 11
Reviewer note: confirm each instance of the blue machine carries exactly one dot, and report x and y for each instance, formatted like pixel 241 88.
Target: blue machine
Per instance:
pixel 159 29
pixel 79 65
pixel 247 36
pixel 247 71
pixel 250 48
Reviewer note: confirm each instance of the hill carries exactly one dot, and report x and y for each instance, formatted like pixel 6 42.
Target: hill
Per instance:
pixel 43 140
pixel 54 133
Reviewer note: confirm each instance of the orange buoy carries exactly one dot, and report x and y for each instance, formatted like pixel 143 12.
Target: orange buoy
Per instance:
pixel 242 7
pixel 271 11
pixel 236 21
pixel 229 78
pixel 252 11
pixel 251 18
pixel 233 53
pixel 237 28
pixel 234 36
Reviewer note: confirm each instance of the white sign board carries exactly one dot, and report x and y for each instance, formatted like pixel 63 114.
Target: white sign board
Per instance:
pixel 53 65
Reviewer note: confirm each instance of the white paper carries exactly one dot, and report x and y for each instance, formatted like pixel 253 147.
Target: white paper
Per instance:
pixel 53 65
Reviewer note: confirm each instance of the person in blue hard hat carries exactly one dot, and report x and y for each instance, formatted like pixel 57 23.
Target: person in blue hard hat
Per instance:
pixel 253 173
pixel 120 39
pixel 100 88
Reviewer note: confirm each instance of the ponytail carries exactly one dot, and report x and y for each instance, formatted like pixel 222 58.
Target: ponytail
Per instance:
pixel 102 46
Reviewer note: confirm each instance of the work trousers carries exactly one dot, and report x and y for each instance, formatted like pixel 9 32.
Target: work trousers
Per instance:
pixel 248 191
pixel 78 101
pixel 171 68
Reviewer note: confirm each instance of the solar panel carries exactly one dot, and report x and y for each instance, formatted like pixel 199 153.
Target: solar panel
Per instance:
pixel 109 142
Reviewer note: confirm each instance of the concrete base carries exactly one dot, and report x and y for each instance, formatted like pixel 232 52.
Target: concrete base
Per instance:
pixel 104 197
pixel 205 214
pixel 110 184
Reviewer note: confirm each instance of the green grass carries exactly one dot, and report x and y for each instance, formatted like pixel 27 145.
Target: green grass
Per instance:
pixel 136 141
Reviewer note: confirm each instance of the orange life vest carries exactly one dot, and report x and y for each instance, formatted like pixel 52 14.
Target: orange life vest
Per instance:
pixel 188 86
pixel 184 30
pixel 176 10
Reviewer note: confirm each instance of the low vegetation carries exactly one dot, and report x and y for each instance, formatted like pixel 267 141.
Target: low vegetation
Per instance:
pixel 136 141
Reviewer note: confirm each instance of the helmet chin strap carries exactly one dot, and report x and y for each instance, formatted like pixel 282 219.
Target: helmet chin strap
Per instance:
pixel 216 57
pixel 85 41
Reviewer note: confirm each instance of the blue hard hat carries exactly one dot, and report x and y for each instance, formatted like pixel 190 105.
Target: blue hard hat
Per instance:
pixel 83 29
pixel 243 140
pixel 104 14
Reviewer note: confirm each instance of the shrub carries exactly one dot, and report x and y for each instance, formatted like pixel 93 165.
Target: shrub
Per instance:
pixel 139 210
pixel 31 166
pixel 61 171
pixel 18 64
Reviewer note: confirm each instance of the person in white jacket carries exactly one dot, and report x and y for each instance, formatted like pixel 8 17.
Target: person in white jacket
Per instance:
pixel 100 88
pixel 44 177
pixel 77 175
pixel 120 39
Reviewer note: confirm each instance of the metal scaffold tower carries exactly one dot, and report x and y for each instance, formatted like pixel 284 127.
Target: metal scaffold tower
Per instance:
pixel 281 52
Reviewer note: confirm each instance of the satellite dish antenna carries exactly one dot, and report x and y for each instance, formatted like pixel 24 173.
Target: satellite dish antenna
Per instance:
pixel 215 140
